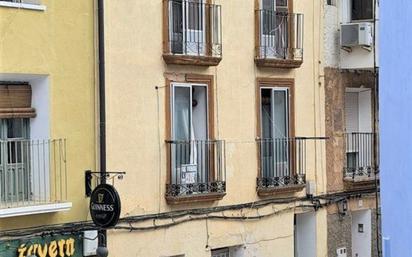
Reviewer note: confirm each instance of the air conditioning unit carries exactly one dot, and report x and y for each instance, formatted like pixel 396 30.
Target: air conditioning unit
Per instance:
pixel 356 34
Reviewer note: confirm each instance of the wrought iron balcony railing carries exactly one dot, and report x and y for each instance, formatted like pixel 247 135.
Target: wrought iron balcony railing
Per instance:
pixel 360 156
pixel 196 167
pixel 280 36
pixel 283 162
pixel 32 172
pixel 193 29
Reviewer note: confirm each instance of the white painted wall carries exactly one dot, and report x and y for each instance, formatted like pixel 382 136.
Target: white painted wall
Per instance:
pixel 331 36
pixel 305 235
pixel 362 242
pixel 357 58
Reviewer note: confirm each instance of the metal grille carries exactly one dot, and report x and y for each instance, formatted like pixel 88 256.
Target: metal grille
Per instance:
pixel 280 35
pixel 194 28
pixel 283 161
pixel 32 172
pixel 360 151
pixel 197 167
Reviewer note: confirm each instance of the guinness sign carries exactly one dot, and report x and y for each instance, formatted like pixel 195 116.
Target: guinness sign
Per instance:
pixel 105 206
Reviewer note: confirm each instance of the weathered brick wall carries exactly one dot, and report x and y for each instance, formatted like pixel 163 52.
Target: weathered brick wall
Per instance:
pixel 339 234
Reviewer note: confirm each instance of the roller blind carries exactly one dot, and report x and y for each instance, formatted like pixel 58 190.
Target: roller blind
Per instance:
pixel 15 101
pixel 352 112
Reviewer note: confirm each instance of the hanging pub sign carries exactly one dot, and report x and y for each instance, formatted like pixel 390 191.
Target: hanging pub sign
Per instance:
pixel 105 206
pixel 57 246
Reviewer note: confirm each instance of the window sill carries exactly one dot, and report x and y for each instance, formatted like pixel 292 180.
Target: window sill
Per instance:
pixel 34 7
pixel 210 197
pixel 277 63
pixel 34 209
pixel 191 60
pixel 270 191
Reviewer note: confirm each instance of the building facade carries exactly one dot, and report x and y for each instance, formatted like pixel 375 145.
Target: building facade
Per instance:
pixel 215 109
pixel 47 122
pixel 350 74
pixel 395 122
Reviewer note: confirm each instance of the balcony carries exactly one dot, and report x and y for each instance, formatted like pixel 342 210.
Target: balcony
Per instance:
pixel 33 177
pixel 282 164
pixel 279 39
pixel 196 171
pixel 360 166
pixel 192 33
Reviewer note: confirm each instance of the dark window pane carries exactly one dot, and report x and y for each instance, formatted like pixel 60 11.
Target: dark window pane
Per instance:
pixel 362 9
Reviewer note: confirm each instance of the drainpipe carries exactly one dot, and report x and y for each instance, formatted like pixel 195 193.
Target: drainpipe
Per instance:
pixel 376 133
pixel 102 105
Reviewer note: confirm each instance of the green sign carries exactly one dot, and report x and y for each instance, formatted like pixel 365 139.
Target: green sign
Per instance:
pixel 58 246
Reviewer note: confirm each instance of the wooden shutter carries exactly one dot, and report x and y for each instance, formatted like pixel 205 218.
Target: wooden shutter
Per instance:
pixel 15 101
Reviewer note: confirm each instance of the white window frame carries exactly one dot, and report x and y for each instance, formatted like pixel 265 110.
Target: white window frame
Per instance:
pixel 34 7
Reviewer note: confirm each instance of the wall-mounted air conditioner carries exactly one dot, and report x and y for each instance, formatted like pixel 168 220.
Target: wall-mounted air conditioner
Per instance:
pixel 356 34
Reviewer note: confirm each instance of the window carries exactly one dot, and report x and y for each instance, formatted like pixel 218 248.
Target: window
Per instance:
pixel 359 136
pixel 331 2
pixel 195 158
pixel 188 26
pixel 190 127
pixel 222 252
pixel 274 28
pixel 274 118
pixel 362 9
pixel 14 160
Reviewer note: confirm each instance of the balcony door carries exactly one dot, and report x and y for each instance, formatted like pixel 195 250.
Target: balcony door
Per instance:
pixel 187 27
pixel 359 137
pixel 274 28
pixel 275 132
pixel 190 132
pixel 15 174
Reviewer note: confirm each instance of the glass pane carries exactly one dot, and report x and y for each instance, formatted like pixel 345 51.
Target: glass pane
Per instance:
pixel 15 128
pixel 181 115
pixel 280 131
pixel 280 111
pixel 362 9
pixel 195 15
pixel 176 21
pixel 199 109
pixel 266 110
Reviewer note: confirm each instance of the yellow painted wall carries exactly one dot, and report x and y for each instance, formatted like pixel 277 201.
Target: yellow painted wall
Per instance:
pixel 59 43
pixel 136 126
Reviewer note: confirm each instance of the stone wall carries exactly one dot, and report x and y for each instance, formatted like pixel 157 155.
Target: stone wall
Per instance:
pixel 340 234
pixel 336 82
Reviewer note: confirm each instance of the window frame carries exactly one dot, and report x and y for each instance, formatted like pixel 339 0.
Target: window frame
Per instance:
pixel 207 80
pixel 350 3
pixel 275 83
pixel 27 6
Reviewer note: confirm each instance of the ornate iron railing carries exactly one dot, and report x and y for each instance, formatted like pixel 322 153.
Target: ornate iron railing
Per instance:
pixel 196 167
pixel 280 35
pixel 283 161
pixel 32 172
pixel 360 152
pixel 194 28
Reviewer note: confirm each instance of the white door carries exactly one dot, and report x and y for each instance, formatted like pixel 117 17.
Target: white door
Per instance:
pixel 362 233
pixel 195 27
pixel 305 235
pixel 274 29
